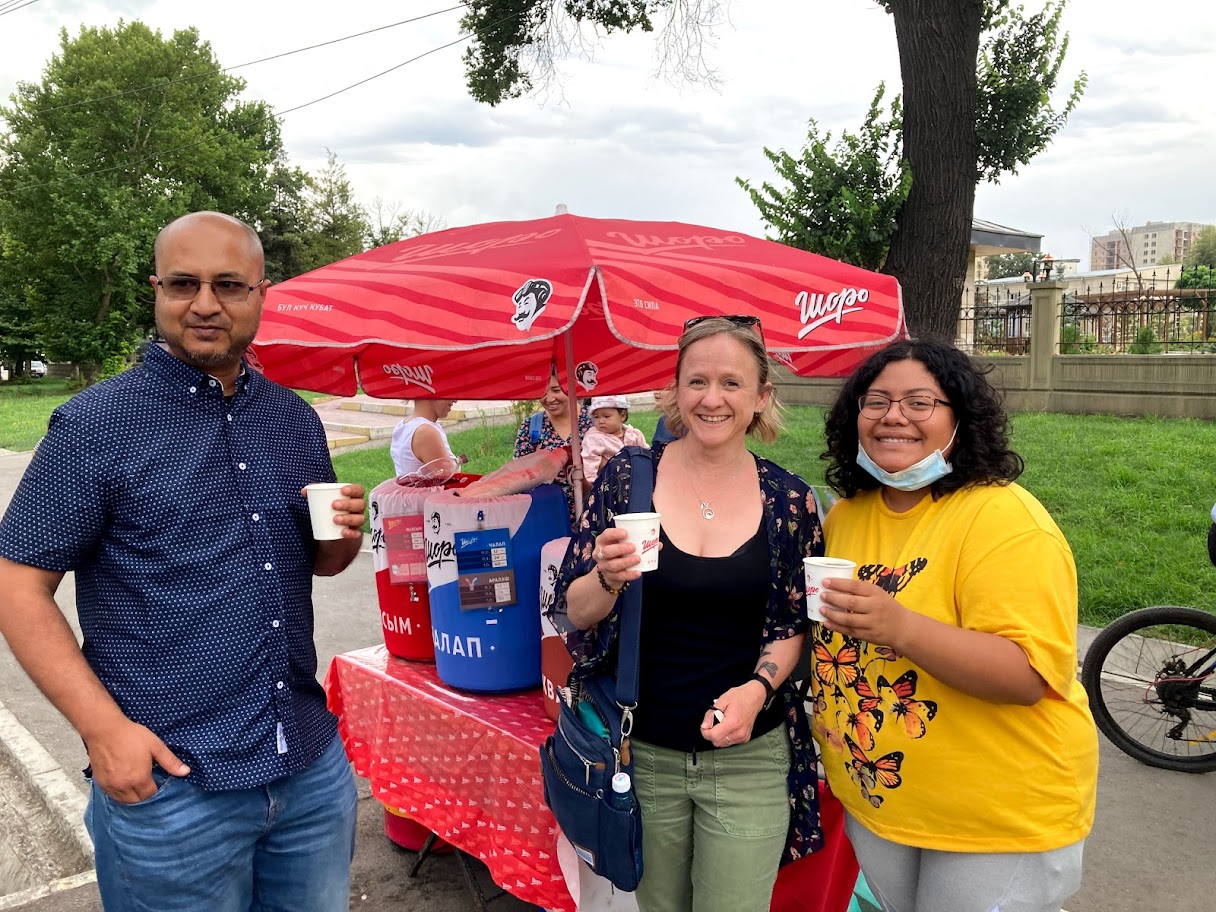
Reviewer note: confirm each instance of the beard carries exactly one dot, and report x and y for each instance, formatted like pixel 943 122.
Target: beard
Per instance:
pixel 207 357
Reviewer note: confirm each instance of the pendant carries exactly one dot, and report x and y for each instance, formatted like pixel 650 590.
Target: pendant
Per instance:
pixel 706 510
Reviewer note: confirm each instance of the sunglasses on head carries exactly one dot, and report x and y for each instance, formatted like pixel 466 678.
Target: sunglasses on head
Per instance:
pixel 737 319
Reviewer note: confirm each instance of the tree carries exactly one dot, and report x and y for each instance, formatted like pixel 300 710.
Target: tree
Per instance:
pixel 1203 248
pixel 1125 254
pixel 841 203
pixel 284 229
pixel 336 224
pixel 517 43
pixel 1201 276
pixel 18 334
pixel 389 223
pixel 966 115
pixel 1006 265
pixel 89 172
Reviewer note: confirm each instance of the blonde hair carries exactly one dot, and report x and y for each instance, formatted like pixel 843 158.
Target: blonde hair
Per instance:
pixel 765 424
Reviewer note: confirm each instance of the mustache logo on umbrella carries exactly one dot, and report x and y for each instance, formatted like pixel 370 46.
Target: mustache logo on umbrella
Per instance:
pixel 587 374
pixel 529 301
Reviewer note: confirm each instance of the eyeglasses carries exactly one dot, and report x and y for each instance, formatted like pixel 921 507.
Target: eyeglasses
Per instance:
pixel 737 319
pixel 914 408
pixel 186 288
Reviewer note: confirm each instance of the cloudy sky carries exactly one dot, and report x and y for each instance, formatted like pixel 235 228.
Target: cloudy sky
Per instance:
pixel 612 140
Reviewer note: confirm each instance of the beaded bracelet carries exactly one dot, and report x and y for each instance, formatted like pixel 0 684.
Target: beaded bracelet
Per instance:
pixel 609 589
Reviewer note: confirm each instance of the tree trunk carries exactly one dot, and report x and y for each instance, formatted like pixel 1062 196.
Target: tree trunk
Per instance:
pixel 938 43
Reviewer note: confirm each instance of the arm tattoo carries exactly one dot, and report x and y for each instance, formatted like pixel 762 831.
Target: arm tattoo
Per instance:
pixel 768 667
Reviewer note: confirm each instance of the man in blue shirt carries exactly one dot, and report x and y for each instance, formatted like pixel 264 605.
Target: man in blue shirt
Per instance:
pixel 174 492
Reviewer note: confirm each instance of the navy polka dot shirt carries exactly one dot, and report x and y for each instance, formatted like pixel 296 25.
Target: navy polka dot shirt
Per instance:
pixel 181 515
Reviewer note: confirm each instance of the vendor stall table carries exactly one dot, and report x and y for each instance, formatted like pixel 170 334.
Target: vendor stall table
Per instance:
pixel 466 766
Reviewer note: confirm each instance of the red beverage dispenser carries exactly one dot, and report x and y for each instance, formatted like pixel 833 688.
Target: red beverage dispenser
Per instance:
pixel 399 559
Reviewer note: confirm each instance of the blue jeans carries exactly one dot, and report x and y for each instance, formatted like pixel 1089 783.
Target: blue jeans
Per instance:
pixel 285 846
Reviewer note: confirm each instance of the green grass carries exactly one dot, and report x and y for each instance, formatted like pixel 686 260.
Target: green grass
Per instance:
pixel 25 408
pixel 1131 494
pixel 309 396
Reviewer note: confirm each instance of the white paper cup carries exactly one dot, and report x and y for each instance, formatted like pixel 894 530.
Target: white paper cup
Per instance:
pixel 321 497
pixel 817 570
pixel 643 530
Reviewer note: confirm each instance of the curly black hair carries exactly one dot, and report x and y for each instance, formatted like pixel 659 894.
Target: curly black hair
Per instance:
pixel 981 453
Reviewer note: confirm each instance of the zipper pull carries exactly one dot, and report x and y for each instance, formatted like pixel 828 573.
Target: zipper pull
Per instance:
pixel 587 773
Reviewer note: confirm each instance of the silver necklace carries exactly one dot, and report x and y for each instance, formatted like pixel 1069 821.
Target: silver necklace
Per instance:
pixel 707 512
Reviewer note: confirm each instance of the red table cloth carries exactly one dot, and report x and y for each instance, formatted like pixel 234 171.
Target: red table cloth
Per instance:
pixel 466 766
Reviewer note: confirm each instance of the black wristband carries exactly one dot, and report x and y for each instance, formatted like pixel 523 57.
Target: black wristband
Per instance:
pixel 768 686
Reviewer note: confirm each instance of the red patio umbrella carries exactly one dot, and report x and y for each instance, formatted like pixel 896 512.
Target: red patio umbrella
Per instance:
pixel 485 311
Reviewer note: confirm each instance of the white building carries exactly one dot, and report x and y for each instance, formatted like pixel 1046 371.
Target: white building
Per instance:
pixel 1143 245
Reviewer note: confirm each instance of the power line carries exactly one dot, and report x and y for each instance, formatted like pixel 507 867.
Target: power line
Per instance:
pixel 268 117
pixel 311 47
pixel 13 5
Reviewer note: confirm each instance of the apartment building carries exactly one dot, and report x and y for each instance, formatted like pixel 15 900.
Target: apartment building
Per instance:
pixel 1143 245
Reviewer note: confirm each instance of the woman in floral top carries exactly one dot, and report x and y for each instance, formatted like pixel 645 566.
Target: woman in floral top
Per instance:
pixel 554 432
pixel 723 758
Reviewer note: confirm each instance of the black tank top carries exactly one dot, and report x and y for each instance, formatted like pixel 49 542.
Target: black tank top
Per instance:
pixel 702 621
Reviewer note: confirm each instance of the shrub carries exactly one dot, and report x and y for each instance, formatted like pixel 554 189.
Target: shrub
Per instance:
pixel 1072 342
pixel 1146 342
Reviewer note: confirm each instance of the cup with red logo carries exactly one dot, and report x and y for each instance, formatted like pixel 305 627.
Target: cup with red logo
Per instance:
pixel 817 570
pixel 643 530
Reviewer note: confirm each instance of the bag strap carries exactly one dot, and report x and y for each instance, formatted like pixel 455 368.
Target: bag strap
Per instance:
pixel 641 495
pixel 534 425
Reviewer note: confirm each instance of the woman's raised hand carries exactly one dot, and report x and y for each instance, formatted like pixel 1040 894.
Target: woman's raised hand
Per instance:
pixel 860 609
pixel 616 558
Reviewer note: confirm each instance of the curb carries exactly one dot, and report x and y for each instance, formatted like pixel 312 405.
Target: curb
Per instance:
pixel 64 884
pixel 60 798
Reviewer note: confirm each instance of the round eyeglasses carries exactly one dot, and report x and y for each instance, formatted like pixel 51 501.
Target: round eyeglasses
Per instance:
pixel 186 288
pixel 914 408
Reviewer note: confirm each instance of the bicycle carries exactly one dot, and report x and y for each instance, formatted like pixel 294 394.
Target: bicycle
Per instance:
pixel 1151 680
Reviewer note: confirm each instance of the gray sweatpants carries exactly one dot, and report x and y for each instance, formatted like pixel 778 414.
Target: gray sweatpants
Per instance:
pixel 907 879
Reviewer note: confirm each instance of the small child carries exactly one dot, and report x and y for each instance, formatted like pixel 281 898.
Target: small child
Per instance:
pixel 609 434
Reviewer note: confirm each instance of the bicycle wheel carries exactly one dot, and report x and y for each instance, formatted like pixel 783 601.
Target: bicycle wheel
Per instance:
pixel 1149 676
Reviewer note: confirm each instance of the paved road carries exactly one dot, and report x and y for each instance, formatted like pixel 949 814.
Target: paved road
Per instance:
pixel 1148 852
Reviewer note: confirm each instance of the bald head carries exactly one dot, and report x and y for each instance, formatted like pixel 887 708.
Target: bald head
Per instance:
pixel 193 219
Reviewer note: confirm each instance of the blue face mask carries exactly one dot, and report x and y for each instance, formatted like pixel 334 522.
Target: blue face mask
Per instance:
pixel 930 469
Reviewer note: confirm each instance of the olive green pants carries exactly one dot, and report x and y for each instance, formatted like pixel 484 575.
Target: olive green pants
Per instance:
pixel 713 830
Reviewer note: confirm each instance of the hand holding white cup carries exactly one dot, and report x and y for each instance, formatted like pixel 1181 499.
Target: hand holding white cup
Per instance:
pixel 321 497
pixel 643 530
pixel 817 570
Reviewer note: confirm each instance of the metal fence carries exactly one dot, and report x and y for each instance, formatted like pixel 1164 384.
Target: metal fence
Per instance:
pixel 995 323
pixel 1132 315
pixel 1128 318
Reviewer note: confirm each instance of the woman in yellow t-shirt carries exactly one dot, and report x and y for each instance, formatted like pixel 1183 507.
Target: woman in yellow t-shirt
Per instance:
pixel 947 709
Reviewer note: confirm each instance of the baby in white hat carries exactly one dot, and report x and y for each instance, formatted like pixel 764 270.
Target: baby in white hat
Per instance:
pixel 609 434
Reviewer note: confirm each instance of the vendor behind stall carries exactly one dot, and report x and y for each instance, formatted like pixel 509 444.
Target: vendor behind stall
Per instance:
pixel 550 429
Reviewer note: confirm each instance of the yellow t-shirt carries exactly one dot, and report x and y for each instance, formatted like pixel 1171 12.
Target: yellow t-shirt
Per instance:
pixel 917 761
